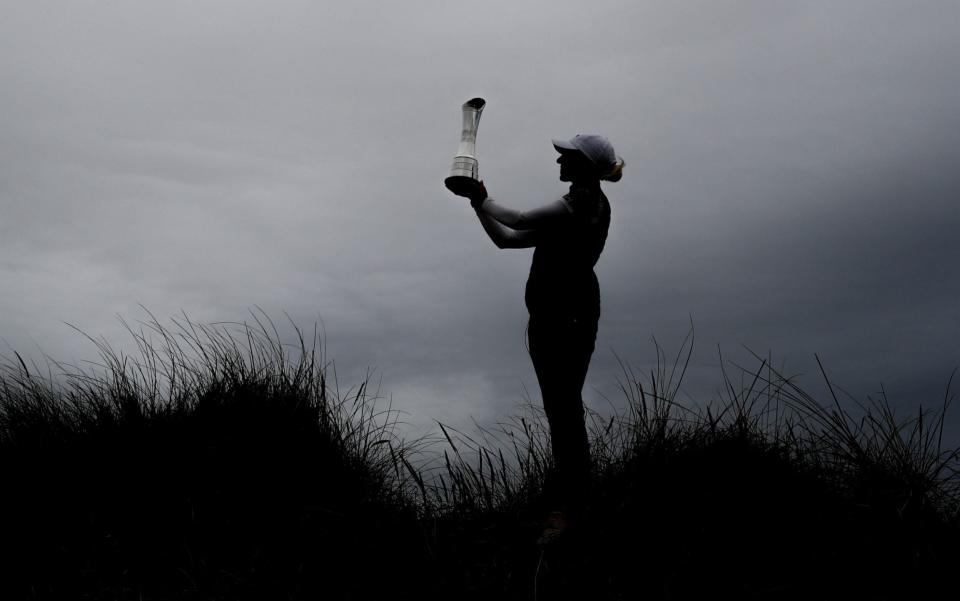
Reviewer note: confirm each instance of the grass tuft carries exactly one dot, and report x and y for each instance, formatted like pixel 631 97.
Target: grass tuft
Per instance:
pixel 216 463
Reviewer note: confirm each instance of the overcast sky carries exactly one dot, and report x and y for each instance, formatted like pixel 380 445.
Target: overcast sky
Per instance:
pixel 792 182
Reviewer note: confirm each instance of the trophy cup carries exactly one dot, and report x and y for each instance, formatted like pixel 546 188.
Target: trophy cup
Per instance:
pixel 465 163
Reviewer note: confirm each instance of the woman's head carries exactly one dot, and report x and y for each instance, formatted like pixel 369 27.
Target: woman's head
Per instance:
pixel 588 157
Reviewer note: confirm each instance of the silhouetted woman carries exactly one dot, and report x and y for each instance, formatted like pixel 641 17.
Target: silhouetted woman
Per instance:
pixel 563 298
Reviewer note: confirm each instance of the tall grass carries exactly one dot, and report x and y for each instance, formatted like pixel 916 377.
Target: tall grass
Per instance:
pixel 218 462
pixel 765 492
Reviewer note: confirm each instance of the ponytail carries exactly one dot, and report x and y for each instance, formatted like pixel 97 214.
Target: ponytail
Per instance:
pixel 615 173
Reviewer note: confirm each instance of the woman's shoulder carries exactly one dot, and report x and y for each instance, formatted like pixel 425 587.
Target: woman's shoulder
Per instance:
pixel 591 201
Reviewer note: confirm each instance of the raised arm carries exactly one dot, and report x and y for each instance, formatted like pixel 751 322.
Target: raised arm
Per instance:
pixel 514 229
pixel 505 237
pixel 538 218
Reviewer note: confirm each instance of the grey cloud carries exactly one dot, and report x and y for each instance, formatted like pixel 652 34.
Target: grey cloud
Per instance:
pixel 790 181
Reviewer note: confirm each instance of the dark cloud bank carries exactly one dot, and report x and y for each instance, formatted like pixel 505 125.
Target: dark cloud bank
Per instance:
pixel 791 183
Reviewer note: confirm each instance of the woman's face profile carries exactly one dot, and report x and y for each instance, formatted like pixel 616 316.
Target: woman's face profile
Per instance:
pixel 573 166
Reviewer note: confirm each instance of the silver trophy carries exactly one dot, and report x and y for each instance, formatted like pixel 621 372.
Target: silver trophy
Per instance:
pixel 464 171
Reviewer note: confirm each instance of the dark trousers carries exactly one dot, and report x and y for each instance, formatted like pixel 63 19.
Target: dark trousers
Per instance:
pixel 560 348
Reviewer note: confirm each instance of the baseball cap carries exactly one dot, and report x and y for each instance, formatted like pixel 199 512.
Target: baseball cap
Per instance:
pixel 596 148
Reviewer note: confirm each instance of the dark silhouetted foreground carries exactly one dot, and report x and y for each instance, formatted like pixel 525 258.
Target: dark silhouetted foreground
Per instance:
pixel 221 464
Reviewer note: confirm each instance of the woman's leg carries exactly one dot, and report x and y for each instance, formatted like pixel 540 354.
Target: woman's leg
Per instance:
pixel 561 351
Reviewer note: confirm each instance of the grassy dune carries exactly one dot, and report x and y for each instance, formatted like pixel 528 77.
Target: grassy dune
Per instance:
pixel 220 463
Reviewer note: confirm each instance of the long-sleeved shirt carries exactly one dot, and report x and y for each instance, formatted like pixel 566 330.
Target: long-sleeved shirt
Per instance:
pixel 568 236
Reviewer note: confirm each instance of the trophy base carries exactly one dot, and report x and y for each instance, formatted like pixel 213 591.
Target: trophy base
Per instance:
pixel 463 175
pixel 461 185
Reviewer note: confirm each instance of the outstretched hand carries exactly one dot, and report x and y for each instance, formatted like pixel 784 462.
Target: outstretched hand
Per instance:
pixel 476 191
pixel 478 195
